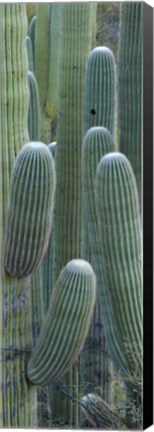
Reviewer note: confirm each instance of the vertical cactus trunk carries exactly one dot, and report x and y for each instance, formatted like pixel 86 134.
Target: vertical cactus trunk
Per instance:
pixel 53 71
pixel 130 85
pixel 75 46
pixel 18 396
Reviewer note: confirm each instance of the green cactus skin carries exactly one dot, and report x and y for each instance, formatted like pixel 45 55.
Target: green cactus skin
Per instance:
pixel 100 88
pixel 53 74
pixel 75 46
pixel 30 54
pixel 38 316
pixel 97 142
pixel 46 74
pixel 120 233
pixel 32 29
pixel 76 30
pixel 42 50
pixel 99 413
pixel 130 85
pixel 34 113
pixel 47 264
pixel 66 326
pixel 30 210
pixel 18 399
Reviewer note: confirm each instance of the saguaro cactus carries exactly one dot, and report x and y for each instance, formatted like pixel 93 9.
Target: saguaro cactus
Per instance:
pixel 100 96
pixel 75 45
pixel 97 142
pixel 17 398
pixel 66 325
pixel 130 85
pixel 32 194
pixel 120 233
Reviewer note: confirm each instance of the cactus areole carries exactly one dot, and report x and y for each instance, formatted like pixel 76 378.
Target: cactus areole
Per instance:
pixel 29 216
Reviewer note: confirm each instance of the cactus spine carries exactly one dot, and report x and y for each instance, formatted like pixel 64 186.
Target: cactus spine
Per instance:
pixel 99 101
pixel 120 234
pixel 32 194
pixel 66 325
pixel 130 85
pixel 34 114
pixel 18 398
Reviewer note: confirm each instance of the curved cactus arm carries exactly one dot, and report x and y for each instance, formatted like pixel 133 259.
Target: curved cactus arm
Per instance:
pixel 100 90
pixel 66 325
pixel 99 413
pixel 29 218
pixel 34 113
pixel 120 233
pixel 97 142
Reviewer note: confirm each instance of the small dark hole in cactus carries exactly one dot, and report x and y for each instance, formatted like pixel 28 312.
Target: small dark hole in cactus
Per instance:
pixel 92 111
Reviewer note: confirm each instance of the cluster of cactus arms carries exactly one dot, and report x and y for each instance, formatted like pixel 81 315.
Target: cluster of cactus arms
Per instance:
pixel 70 229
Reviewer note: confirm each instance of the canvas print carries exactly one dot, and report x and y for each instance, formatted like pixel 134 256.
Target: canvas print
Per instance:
pixel 71 215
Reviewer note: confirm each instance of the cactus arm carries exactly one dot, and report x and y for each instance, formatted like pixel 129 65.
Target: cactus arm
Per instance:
pixel 120 233
pixel 97 142
pixel 130 85
pixel 34 114
pixel 100 90
pixel 32 194
pixel 32 28
pixel 67 323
